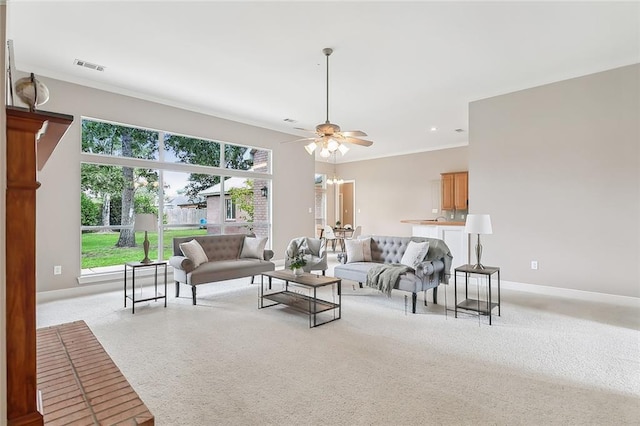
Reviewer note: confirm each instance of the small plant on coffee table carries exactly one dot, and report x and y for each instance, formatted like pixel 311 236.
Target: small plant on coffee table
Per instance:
pixel 297 261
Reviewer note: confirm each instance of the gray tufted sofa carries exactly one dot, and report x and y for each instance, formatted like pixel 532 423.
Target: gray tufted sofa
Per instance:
pixel 428 274
pixel 224 262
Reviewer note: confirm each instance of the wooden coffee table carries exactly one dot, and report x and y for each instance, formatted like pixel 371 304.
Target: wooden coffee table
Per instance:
pixel 311 304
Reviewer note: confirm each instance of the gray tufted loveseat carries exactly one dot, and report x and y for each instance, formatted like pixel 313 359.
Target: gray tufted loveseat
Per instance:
pixel 225 261
pixel 428 274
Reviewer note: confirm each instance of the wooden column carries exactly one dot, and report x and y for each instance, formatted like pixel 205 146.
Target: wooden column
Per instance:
pixel 31 138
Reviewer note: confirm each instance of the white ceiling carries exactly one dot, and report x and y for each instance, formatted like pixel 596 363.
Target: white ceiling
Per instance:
pixel 397 68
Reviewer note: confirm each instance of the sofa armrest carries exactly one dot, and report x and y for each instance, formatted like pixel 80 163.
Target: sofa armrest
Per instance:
pixel 182 262
pixel 268 254
pixel 428 268
pixel 424 269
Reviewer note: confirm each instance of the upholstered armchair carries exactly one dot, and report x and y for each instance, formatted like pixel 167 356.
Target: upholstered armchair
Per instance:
pixel 314 250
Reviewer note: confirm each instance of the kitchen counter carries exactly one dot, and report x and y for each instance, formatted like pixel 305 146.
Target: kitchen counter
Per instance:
pixel 452 233
pixel 431 222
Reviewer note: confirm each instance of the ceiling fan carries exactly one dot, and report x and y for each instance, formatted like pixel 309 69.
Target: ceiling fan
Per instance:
pixel 328 136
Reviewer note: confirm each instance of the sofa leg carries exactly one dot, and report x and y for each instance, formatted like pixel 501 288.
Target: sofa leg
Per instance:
pixel 425 297
pixel 193 293
pixel 435 295
pixel 360 284
pixel 177 289
pixel 414 299
pixel 252 278
pixel 323 274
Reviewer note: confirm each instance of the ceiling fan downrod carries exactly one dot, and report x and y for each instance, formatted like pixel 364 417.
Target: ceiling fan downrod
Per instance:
pixel 327 52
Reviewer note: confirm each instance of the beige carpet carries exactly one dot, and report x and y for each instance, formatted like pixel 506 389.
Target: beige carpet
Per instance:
pixel 224 362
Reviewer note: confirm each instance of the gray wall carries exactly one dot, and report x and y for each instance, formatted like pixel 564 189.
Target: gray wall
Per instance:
pixel 557 167
pixel 388 190
pixel 58 199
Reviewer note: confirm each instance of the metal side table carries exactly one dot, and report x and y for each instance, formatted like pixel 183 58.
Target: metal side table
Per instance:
pixel 137 265
pixel 480 306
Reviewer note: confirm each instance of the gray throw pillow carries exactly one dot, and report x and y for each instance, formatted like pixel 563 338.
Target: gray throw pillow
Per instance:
pixel 253 248
pixel 358 250
pixel 194 251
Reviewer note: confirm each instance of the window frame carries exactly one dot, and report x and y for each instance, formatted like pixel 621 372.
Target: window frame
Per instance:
pixel 160 165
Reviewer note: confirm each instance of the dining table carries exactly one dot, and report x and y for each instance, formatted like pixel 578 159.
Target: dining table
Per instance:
pixel 341 235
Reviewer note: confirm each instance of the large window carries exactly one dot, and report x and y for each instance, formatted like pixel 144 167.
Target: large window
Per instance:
pixel 183 180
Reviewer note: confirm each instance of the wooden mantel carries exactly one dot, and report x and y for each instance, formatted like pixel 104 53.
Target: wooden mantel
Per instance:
pixel 31 138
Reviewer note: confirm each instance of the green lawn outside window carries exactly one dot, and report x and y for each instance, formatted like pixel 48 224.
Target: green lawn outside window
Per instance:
pixel 99 249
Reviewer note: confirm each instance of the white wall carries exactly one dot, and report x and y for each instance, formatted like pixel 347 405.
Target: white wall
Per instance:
pixel 388 190
pixel 58 199
pixel 558 169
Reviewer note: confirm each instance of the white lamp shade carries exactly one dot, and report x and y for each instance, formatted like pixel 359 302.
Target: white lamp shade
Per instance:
pixel 310 148
pixel 478 224
pixel 145 222
pixel 343 149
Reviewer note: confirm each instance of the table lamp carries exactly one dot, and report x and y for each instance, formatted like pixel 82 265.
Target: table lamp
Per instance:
pixel 478 224
pixel 146 222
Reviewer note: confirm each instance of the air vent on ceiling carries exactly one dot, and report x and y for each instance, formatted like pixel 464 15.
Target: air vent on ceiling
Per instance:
pixel 290 120
pixel 460 130
pixel 89 65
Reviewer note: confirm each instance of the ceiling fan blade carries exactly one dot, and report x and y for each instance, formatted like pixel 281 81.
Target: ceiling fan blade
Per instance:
pixel 358 141
pixel 300 140
pixel 354 133
pixel 305 130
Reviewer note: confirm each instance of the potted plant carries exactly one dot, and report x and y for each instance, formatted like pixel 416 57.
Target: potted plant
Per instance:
pixel 296 264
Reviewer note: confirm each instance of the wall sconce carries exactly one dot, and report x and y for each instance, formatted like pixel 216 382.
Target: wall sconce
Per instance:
pixel 264 191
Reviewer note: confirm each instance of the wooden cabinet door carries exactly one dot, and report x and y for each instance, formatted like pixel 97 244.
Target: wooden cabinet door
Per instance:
pixel 461 190
pixel 447 191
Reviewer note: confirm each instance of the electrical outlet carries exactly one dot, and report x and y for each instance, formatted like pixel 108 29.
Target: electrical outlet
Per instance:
pixel 434 211
pixel 358 210
pixel 534 264
pixel 310 211
pixel 452 216
pixel 57 270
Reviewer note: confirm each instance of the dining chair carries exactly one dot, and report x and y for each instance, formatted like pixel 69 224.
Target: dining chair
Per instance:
pixel 330 236
pixel 356 233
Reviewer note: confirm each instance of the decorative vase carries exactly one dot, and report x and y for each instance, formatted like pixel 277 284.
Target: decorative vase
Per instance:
pixel 297 272
pixel 32 91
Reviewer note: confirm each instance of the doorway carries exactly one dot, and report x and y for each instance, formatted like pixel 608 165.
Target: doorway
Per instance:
pixel 346 203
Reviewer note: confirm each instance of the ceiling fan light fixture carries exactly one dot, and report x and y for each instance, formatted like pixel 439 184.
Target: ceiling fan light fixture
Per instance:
pixel 332 144
pixel 325 153
pixel 310 148
pixel 343 149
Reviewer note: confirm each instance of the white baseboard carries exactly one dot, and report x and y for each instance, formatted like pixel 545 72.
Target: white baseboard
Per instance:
pixel 80 290
pixel 100 283
pixel 590 296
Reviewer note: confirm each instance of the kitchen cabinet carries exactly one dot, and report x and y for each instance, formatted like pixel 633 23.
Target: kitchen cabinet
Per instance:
pixel 455 191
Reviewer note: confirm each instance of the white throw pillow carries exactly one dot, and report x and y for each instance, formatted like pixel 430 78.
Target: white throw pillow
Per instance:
pixel 194 251
pixel 253 248
pixel 358 250
pixel 415 253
